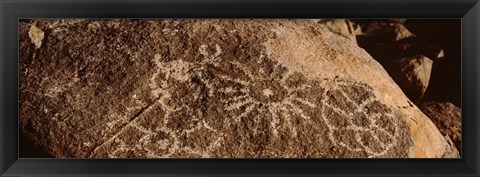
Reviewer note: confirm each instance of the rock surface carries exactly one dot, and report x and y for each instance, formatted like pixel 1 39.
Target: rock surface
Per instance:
pixel 343 27
pixel 212 88
pixel 385 30
pixel 447 117
pixel 412 74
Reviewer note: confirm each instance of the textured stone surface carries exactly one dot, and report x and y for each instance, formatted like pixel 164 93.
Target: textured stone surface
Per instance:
pixel 343 27
pixel 212 88
pixel 412 74
pixel 447 117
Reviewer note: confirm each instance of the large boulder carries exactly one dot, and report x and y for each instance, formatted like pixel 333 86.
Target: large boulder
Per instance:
pixel 212 88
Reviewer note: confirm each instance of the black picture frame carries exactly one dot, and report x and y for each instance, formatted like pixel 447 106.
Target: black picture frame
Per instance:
pixel 13 10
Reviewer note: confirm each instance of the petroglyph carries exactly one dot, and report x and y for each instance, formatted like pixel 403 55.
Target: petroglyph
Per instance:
pixel 200 103
pixel 229 88
pixel 352 109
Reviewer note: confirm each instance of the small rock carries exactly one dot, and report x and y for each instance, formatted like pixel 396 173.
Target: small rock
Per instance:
pixel 447 117
pixel 36 35
pixel 412 74
pixel 385 30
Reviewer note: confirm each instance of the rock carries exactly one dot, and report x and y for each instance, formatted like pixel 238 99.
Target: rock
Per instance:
pixel 452 151
pixel 213 88
pixel 445 33
pixel 439 40
pixel 387 52
pixel 445 83
pixel 383 30
pixel 418 45
pixel 412 74
pixel 343 27
pixel 447 117
pixel 36 35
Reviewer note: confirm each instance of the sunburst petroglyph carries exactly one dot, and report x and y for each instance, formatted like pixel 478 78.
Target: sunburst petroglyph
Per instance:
pixel 272 102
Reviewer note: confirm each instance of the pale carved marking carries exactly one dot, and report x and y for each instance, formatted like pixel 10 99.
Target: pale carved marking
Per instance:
pixel 273 97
